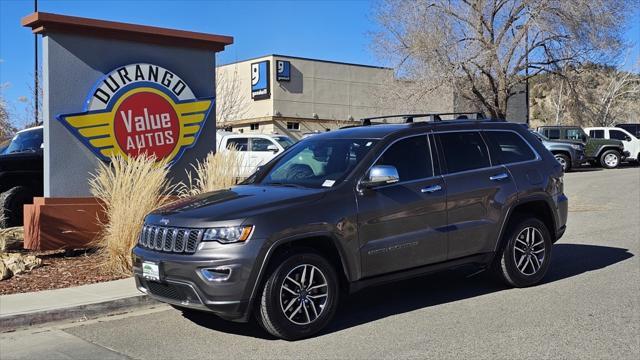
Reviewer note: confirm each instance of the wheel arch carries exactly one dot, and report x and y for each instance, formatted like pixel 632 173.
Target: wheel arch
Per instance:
pixel 540 206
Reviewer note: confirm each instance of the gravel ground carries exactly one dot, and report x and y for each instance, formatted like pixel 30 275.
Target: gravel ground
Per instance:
pixel 58 270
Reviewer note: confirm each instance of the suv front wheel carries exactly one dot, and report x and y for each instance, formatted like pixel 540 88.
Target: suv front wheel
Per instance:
pixel 300 296
pixel 610 159
pixel 525 257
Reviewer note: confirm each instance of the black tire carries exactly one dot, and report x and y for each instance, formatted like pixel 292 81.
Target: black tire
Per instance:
pixel 507 267
pixel 271 309
pixel 564 160
pixel 12 205
pixel 606 159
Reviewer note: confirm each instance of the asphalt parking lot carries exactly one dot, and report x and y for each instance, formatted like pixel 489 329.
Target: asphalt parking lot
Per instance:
pixel 587 307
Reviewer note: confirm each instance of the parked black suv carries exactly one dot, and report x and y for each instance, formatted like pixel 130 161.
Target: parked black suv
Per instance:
pixel 21 175
pixel 351 208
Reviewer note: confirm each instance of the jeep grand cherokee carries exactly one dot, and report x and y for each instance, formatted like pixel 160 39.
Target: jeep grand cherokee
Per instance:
pixel 351 208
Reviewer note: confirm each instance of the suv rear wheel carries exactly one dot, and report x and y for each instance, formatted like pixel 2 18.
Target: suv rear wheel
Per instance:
pixel 525 257
pixel 300 296
pixel 610 159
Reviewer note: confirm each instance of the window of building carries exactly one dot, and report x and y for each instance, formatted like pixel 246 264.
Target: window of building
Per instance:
pixel 293 125
pixel 239 144
pixel 618 135
pixel 254 126
pixel 411 157
pixel 508 147
pixel 596 134
pixel 259 144
pixel 464 151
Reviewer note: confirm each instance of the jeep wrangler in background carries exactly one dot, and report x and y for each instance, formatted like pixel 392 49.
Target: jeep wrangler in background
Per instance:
pixel 606 153
pixel 569 155
pixel 21 175
pixel 631 142
pixel 347 209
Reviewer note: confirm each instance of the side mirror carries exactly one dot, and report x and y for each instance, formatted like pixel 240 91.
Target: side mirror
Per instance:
pixel 584 138
pixel 272 148
pixel 381 175
pixel 627 138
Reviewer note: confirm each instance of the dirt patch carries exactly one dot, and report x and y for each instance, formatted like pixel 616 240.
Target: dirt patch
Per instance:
pixel 59 269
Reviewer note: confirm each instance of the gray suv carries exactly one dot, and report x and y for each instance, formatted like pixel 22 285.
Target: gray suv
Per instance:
pixel 352 208
pixel 569 155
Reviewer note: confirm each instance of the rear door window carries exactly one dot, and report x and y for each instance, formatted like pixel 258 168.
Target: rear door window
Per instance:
pixel 596 134
pixel 411 157
pixel 464 151
pixel 618 135
pixel 508 147
pixel 553 134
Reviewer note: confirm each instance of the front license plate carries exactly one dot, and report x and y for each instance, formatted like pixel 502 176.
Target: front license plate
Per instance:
pixel 150 270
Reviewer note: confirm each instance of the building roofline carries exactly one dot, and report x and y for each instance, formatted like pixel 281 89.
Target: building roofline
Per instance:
pixel 308 59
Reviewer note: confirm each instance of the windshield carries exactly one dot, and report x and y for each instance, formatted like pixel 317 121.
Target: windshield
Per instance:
pixel 539 136
pixel 25 141
pixel 284 141
pixel 318 163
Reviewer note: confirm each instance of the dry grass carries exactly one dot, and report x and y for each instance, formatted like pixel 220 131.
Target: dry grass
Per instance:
pixel 218 171
pixel 129 189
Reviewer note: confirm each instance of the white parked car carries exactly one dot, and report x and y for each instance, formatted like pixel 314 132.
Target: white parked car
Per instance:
pixel 630 142
pixel 256 149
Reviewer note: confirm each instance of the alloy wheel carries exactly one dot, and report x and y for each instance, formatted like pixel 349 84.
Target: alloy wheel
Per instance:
pixel 529 251
pixel 304 294
pixel 611 160
pixel 562 162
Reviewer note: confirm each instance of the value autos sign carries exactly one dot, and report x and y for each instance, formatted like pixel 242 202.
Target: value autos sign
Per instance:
pixel 138 109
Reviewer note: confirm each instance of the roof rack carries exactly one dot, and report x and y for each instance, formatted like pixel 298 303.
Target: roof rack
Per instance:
pixel 433 117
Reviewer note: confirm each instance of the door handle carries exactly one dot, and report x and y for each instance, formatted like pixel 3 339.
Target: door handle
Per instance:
pixel 431 189
pixel 499 177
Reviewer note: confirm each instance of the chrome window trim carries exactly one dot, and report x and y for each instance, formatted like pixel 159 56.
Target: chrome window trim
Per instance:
pixel 537 158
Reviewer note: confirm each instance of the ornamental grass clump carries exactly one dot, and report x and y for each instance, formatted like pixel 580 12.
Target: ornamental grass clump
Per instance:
pixel 129 188
pixel 219 170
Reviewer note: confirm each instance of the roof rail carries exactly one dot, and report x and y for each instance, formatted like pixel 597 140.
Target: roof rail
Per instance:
pixel 433 117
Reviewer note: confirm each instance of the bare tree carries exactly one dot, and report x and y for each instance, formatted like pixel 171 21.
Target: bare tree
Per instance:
pixel 6 128
pixel 231 101
pixel 623 87
pixel 484 49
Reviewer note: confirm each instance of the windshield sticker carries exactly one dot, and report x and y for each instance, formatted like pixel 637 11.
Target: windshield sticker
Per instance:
pixel 328 183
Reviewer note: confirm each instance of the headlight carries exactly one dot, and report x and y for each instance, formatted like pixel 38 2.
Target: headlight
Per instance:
pixel 576 146
pixel 227 235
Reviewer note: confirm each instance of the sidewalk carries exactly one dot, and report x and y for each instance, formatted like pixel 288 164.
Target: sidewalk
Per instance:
pixel 76 303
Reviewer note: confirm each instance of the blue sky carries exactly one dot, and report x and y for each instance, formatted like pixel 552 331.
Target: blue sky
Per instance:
pixel 331 30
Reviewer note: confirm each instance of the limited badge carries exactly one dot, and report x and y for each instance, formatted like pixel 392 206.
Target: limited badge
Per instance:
pixel 140 109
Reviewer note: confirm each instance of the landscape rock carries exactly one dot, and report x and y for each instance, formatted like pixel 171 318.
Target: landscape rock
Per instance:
pixel 11 238
pixel 16 263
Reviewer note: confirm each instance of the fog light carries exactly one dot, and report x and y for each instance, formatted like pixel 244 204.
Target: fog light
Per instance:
pixel 221 273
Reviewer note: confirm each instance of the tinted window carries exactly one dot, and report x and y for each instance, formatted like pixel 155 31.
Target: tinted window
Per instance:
pixel 596 134
pixel 411 157
pixel 464 151
pixel 259 144
pixel 509 147
pixel 552 133
pixel 618 135
pixel 239 144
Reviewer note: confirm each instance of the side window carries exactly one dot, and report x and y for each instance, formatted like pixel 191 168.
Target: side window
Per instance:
pixel 509 147
pixel 411 157
pixel 259 144
pixel 574 134
pixel 597 134
pixel 239 144
pixel 618 135
pixel 552 134
pixel 464 151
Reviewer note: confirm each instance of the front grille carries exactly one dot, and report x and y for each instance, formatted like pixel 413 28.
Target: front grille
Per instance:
pixel 170 239
pixel 175 292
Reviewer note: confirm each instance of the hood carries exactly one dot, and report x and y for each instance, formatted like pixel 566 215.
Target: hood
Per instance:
pixel 22 161
pixel 234 204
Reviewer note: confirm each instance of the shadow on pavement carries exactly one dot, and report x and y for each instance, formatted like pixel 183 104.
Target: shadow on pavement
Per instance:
pixel 375 303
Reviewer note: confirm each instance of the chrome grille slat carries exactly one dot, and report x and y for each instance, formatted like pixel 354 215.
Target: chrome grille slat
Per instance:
pixel 170 239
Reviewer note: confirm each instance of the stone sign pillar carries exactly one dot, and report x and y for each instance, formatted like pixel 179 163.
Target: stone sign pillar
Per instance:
pixel 118 89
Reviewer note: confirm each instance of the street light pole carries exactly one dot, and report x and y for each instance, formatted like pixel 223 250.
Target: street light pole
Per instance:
pixel 35 70
pixel 526 72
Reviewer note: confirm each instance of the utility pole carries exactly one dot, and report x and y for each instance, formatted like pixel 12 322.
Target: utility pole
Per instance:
pixel 526 71
pixel 35 70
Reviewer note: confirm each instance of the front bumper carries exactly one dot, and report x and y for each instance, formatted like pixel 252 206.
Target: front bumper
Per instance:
pixel 183 284
pixel 579 158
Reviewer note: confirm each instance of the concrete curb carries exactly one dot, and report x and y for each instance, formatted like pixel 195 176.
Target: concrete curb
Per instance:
pixel 75 313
